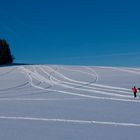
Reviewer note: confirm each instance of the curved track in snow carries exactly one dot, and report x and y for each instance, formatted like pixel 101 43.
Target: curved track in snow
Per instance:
pixel 62 83
pixel 69 85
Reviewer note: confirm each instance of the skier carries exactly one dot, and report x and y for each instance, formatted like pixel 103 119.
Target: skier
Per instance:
pixel 134 90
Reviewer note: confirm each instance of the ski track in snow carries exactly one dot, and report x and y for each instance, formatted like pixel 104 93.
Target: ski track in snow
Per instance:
pixel 51 76
pixel 71 121
pixel 85 87
pixel 8 72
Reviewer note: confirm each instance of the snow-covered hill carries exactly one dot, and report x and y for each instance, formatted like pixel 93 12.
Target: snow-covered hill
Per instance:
pixel 45 102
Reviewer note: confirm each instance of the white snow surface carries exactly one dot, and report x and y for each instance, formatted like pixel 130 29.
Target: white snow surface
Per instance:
pixel 50 102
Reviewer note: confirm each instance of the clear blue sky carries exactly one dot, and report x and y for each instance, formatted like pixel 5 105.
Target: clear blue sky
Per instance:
pixel 85 32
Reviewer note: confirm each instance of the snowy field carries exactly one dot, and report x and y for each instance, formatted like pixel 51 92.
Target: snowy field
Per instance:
pixel 45 102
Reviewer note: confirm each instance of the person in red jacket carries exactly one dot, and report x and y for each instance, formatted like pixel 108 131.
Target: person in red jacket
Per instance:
pixel 134 90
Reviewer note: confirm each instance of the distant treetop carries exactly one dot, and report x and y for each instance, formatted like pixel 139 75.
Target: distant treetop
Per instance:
pixel 5 53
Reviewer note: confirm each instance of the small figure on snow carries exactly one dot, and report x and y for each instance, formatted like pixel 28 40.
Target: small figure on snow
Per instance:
pixel 134 90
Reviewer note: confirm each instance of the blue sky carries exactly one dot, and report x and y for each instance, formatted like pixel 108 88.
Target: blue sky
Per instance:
pixel 83 32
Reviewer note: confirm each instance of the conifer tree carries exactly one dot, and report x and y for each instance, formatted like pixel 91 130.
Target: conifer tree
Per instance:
pixel 5 53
